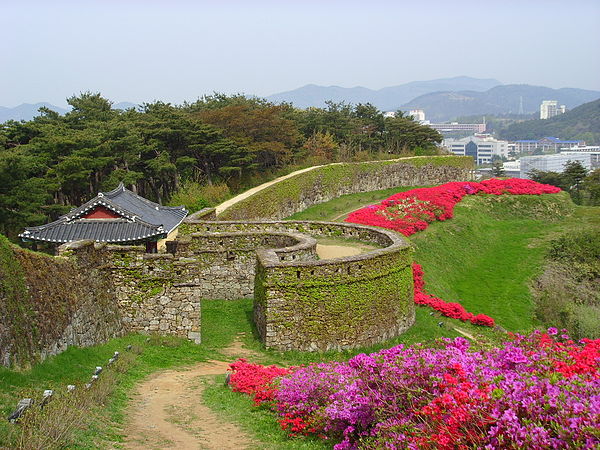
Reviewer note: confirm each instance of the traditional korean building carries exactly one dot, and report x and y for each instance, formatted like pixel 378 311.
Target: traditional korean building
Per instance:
pixel 118 217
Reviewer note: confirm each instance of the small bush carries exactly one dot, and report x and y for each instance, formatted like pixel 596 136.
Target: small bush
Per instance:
pixel 567 293
pixel 581 247
pixel 195 196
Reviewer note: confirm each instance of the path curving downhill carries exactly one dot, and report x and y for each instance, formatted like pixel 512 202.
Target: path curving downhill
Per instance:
pixel 250 192
pixel 167 411
pixel 244 195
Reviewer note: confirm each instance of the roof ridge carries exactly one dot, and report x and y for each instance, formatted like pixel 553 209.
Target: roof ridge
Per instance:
pixel 99 199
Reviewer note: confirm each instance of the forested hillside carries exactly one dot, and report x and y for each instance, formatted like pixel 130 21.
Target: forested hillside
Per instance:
pixel 54 162
pixel 581 123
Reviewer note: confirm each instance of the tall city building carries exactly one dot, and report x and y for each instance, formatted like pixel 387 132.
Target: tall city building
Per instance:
pixel 550 108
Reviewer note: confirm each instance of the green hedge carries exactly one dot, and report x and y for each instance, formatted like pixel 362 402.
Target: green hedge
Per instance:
pixel 324 183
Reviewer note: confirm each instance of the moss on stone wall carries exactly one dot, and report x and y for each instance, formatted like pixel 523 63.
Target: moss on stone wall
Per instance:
pixel 324 183
pixel 324 315
pixel 17 330
pixel 48 303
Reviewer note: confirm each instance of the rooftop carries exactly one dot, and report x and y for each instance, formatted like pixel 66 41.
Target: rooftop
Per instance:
pixel 117 216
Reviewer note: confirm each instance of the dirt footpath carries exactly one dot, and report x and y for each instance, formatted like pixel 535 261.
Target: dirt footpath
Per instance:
pixel 167 411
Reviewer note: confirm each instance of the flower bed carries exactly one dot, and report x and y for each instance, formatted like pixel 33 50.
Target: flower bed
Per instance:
pixel 448 309
pixel 412 211
pixel 539 391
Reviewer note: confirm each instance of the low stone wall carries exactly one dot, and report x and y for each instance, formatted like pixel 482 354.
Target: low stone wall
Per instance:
pixel 308 304
pixel 155 292
pixel 49 303
pixel 324 183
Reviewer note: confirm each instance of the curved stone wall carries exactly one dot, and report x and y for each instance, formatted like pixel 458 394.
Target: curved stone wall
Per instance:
pixel 306 304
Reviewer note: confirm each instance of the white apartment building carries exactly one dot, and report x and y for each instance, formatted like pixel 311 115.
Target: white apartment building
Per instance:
pixel 550 108
pixel 482 147
pixel 553 163
pixel 417 114
pixel 592 150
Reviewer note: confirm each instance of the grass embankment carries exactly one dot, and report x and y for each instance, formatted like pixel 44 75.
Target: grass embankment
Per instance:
pixel 488 254
pixel 337 209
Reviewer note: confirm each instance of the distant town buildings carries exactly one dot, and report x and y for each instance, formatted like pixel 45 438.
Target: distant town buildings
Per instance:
pixel 550 108
pixel 592 150
pixel 455 126
pixel 446 128
pixel 482 147
pixel 546 144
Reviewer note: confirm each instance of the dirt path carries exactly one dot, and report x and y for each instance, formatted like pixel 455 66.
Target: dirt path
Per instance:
pixel 167 411
pixel 232 201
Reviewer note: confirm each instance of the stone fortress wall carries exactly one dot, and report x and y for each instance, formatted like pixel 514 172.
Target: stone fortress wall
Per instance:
pixel 50 303
pixel 300 302
pixel 295 193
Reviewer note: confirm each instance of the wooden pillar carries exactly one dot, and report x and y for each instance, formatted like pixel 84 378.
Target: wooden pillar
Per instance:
pixel 151 247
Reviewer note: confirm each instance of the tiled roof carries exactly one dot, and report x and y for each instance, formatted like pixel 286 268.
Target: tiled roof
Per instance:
pixel 140 219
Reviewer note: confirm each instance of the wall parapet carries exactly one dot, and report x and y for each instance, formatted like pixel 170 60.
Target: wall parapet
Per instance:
pixel 322 183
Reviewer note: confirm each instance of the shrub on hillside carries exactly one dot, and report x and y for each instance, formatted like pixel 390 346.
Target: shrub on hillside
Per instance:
pixel 412 211
pixel 567 293
pixel 195 196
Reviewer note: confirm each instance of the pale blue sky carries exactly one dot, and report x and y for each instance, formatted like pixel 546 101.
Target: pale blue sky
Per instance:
pixel 179 50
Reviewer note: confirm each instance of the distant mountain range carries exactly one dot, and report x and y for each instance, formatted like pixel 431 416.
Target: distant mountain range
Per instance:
pixel 386 99
pixel 581 123
pixel 442 100
pixel 505 99
pixel 28 111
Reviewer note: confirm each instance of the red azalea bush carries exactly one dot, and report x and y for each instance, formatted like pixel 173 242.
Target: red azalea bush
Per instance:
pixel 448 309
pixel 255 380
pixel 412 211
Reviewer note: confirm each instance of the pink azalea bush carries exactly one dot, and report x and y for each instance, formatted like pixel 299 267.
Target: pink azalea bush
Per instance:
pixel 536 391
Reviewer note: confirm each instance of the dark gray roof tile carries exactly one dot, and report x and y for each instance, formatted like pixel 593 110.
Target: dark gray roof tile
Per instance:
pixel 141 219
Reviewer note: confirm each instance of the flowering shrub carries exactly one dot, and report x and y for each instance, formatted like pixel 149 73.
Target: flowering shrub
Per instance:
pixel 537 391
pixel 448 309
pixel 255 380
pixel 412 211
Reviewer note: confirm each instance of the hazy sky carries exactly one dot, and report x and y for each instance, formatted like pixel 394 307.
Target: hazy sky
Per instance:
pixel 142 50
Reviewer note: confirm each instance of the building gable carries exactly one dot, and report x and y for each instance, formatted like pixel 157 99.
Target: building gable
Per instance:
pixel 101 212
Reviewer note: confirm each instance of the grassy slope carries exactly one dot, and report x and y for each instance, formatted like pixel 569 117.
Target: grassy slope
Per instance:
pixel 485 261
pixel 337 209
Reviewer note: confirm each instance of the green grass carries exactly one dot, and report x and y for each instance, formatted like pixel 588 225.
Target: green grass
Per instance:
pixel 338 208
pixel 485 256
pixel 258 422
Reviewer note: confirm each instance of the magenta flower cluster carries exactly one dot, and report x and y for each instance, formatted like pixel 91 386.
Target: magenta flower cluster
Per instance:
pixel 538 391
